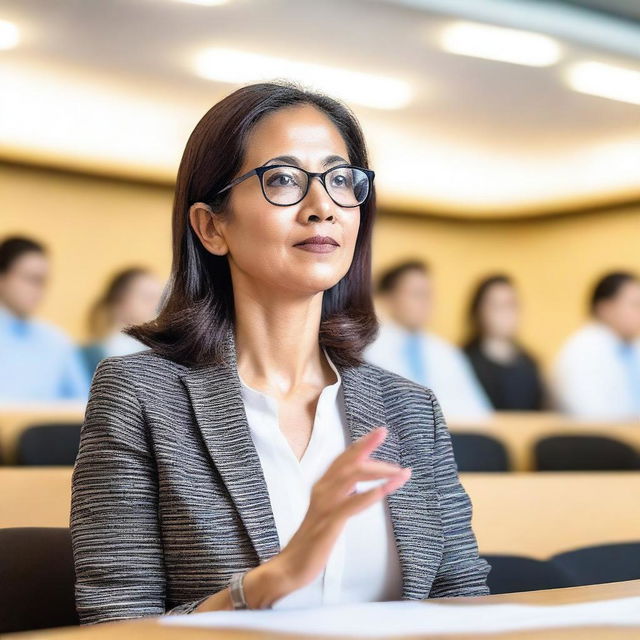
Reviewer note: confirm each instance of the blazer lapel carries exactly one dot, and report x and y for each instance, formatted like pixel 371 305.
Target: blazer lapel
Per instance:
pixel 215 393
pixel 414 509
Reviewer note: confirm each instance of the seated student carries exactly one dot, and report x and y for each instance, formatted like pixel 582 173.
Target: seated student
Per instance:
pixel 508 374
pixel 39 362
pixel 132 297
pixel 404 347
pixel 597 372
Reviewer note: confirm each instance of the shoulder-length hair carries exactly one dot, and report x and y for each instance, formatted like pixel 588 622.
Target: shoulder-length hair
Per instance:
pixel 483 287
pixel 198 308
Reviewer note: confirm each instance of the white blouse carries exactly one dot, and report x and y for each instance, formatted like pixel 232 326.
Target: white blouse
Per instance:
pixel 363 565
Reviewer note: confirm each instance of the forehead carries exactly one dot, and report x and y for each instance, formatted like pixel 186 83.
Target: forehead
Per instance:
pixel 501 289
pixel 630 289
pixel 30 260
pixel 413 278
pixel 301 130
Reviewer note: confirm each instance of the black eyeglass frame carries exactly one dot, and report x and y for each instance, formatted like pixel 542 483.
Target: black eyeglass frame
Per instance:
pixel 260 171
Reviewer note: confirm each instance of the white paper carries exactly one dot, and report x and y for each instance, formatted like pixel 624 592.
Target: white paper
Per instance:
pixel 377 619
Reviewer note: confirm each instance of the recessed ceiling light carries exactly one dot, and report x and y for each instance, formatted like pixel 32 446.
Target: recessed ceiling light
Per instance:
pixel 605 80
pixel 239 67
pixel 499 43
pixel 205 3
pixel 9 35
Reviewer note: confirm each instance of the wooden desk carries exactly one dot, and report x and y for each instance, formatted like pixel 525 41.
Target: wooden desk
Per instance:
pixel 35 496
pixel 15 418
pixel 535 514
pixel 519 431
pixel 541 514
pixel 149 629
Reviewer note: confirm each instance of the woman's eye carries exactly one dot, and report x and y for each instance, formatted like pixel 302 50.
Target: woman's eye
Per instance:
pixel 282 180
pixel 340 181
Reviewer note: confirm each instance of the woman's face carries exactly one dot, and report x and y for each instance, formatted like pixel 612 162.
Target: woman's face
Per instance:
pixel 259 237
pixel 499 312
pixel 141 300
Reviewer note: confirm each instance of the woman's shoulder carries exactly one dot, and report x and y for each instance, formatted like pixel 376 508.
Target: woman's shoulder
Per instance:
pixel 395 388
pixel 146 365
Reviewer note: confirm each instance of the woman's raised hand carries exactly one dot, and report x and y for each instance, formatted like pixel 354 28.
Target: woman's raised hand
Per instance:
pixel 334 500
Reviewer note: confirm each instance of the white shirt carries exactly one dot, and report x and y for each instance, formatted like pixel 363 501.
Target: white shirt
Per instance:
pixel 363 565
pixel 448 372
pixel 590 380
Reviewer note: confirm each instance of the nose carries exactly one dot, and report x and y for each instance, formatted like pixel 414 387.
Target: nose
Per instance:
pixel 317 204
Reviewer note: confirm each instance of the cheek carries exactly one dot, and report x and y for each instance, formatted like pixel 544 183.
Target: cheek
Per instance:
pixel 258 235
pixel 351 227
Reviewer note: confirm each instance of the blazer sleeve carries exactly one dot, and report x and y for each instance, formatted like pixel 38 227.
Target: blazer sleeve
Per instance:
pixel 115 532
pixel 462 571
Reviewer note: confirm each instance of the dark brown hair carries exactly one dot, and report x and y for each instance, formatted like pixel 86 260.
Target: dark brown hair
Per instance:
pixel 198 309
pixel 388 280
pixel 14 247
pixel 473 312
pixel 608 287
pixel 100 315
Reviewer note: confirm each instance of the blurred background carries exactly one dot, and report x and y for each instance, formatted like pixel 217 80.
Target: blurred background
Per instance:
pixel 505 136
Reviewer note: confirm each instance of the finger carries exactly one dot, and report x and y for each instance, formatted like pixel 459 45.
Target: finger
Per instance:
pixel 366 444
pixel 362 447
pixel 371 470
pixel 367 477
pixel 359 501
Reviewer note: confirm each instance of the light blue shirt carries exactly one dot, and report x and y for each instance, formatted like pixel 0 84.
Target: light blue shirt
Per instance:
pixel 630 358
pixel 38 362
pixel 414 354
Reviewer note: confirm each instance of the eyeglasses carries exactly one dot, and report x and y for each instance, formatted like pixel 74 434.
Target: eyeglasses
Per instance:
pixel 285 185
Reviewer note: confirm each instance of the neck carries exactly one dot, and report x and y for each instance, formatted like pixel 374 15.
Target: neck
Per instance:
pixel 499 348
pixel 12 311
pixel 404 325
pixel 277 344
pixel 620 335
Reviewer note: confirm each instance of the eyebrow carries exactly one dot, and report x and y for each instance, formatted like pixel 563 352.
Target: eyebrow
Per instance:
pixel 296 162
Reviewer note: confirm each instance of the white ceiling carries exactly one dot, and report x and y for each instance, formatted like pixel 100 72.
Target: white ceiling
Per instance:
pixel 481 138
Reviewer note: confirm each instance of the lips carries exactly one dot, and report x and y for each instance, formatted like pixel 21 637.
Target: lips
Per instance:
pixel 318 240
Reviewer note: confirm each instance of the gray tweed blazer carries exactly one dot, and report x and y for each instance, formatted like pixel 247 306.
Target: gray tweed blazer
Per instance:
pixel 169 498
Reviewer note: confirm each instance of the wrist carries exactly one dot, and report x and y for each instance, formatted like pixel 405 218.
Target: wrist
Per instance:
pixel 268 582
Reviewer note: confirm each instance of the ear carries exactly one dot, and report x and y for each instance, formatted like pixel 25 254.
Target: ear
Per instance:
pixel 208 228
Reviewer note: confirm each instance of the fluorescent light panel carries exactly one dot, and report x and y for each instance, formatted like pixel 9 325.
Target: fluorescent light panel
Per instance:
pixel 605 80
pixel 499 43
pixel 239 67
pixel 9 35
pixel 205 3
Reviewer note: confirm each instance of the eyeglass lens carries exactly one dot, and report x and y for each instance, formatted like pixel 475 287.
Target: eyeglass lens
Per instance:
pixel 347 186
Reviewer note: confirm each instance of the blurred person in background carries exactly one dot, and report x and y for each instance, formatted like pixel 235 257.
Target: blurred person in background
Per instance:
pixel 39 363
pixel 404 347
pixel 597 372
pixel 508 374
pixel 131 297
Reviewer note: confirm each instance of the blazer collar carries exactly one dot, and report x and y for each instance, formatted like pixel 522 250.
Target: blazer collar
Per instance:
pixel 215 394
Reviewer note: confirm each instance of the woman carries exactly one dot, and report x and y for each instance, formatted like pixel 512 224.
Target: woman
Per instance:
pixel 131 297
pixel 507 372
pixel 216 470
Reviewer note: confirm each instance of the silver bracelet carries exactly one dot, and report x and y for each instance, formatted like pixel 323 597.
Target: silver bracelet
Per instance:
pixel 237 592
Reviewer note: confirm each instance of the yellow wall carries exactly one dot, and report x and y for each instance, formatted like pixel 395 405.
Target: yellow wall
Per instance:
pixel 95 225
pixel 92 226
pixel 554 260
